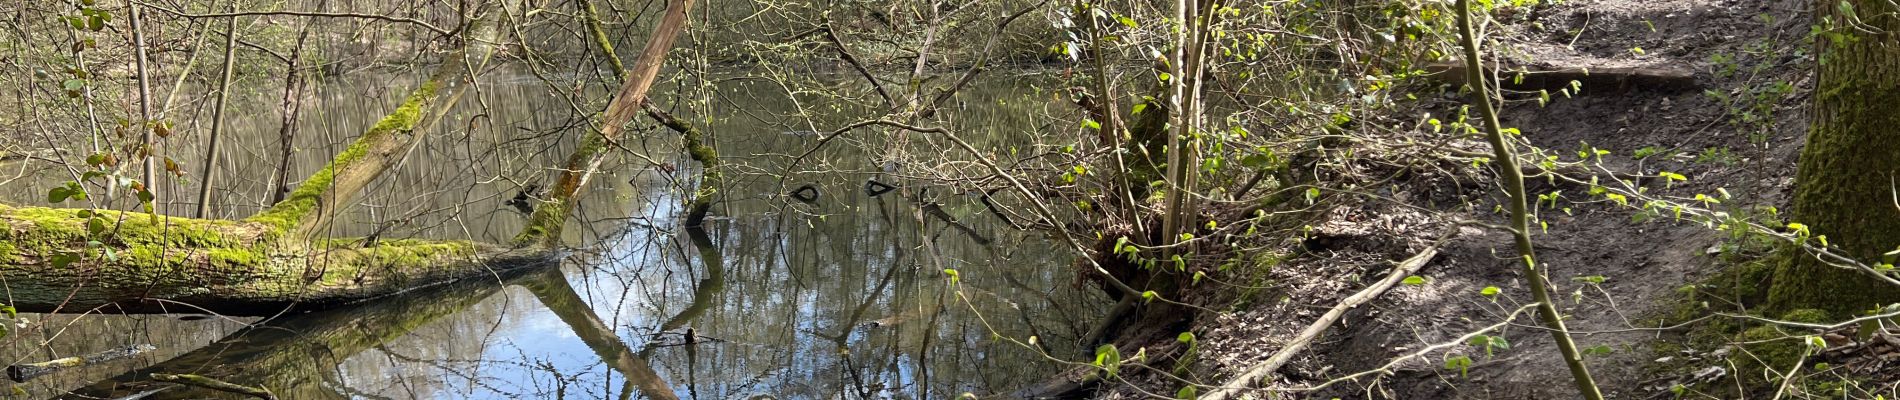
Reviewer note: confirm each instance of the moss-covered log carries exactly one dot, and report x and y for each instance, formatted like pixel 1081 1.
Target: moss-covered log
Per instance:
pixel 318 199
pixel 710 178
pixel 1845 184
pixel 51 261
pixel 77 260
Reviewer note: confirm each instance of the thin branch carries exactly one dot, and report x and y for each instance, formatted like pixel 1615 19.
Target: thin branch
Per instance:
pixel 417 22
pixel 1264 369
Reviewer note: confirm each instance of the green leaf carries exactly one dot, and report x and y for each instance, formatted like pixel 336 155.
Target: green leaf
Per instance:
pixel 96 226
pixel 1490 291
pixel 1108 359
pixel 1598 350
pixel 1187 393
pixel 1460 363
pixel 1185 337
pixel 1414 280
pixel 62 260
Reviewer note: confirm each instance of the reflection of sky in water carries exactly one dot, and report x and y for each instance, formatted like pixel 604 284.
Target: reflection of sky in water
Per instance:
pixel 786 294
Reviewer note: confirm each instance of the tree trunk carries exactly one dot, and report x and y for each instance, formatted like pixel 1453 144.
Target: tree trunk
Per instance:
pixel 544 227
pixel 149 174
pixel 76 260
pixel 217 118
pixel 306 211
pixel 230 267
pixel 1846 182
pixel 294 86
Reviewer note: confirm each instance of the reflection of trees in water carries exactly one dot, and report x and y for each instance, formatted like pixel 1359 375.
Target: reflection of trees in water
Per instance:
pixel 64 335
pixel 841 298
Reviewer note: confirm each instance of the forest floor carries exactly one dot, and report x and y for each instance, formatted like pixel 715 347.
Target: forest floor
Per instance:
pixel 1740 130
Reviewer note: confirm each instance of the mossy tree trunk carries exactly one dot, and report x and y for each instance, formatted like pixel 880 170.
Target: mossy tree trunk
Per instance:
pixel 309 208
pixel 77 260
pixel 544 227
pixel 1845 186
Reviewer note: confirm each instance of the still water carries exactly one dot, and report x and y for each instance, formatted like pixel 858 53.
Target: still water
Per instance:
pixel 841 297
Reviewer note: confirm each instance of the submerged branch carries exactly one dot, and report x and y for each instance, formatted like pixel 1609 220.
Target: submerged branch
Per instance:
pixel 214 384
pixel 26 372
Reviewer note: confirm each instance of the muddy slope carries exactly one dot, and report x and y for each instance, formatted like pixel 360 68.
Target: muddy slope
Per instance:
pixel 1739 129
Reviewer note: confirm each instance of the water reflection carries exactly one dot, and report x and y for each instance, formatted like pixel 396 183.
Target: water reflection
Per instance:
pixel 843 297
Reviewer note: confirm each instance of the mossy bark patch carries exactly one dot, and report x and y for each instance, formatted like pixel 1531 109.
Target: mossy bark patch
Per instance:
pixel 51 260
pixel 1842 189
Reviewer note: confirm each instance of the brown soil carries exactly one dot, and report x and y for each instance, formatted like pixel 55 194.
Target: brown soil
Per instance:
pixel 1644 263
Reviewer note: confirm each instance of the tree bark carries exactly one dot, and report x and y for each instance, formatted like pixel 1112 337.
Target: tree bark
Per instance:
pixel 294 86
pixel 228 267
pixel 1845 186
pixel 217 118
pixel 149 174
pixel 544 227
pixel 76 260
pixel 1518 204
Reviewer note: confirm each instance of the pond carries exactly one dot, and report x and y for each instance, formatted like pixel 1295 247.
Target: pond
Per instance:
pixel 844 296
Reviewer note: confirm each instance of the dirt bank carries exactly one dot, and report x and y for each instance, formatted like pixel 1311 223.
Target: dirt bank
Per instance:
pixel 1738 130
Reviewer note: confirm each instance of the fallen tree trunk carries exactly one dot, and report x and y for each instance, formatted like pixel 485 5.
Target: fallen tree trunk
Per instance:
pixel 174 264
pixel 55 260
pixel 1607 80
pixel 308 209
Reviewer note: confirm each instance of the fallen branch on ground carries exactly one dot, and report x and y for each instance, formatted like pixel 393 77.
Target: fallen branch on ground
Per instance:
pixel 1306 337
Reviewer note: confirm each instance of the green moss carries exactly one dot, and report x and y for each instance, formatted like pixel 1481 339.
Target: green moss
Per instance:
pixel 1772 348
pixel 232 257
pixel 63 228
pixel 285 216
pixel 1807 315
pixel 393 260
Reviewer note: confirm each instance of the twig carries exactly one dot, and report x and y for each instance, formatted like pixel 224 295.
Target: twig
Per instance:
pixel 416 22
pixel 1460 340
pixel 1264 369
pixel 214 384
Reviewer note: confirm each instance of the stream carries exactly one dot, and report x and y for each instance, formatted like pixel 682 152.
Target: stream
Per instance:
pixel 842 297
